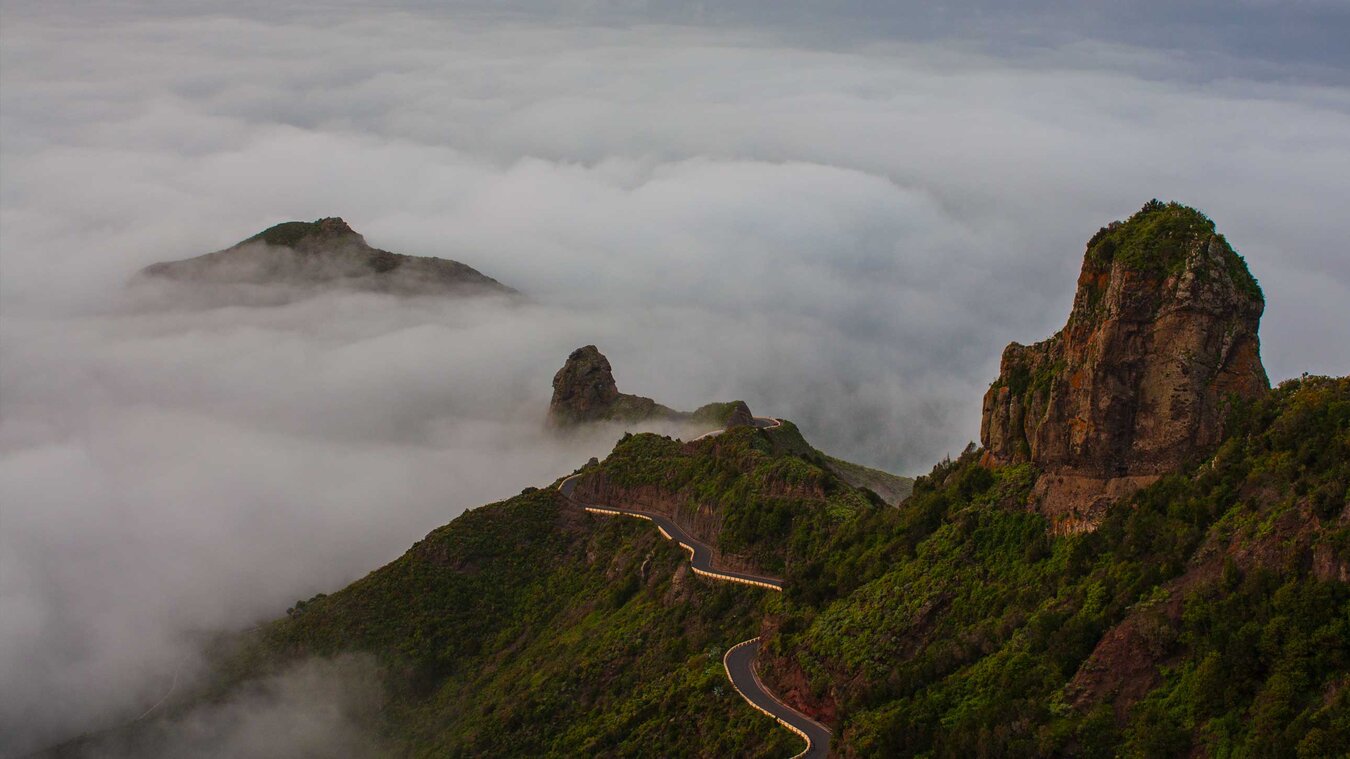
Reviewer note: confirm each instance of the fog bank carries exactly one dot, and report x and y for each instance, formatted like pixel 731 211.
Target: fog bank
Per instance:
pixel 840 230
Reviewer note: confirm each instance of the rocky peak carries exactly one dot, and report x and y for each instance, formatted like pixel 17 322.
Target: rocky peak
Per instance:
pixel 583 389
pixel 739 415
pixel 1163 329
pixel 326 252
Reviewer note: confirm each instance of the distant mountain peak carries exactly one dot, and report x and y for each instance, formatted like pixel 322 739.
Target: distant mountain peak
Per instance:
pixel 326 252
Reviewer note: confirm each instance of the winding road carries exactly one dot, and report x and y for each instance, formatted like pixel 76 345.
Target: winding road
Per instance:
pixel 739 662
pixel 740 659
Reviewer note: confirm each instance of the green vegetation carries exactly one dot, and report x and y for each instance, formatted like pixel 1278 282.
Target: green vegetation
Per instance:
pixel 286 234
pixel 1265 671
pixel 954 626
pixel 1203 616
pixel 528 628
pixel 891 487
pixel 1157 240
pixel 773 496
pixel 717 414
pixel 1019 379
pixel 1032 370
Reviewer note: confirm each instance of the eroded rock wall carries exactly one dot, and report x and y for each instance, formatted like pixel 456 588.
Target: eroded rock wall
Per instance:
pixel 1162 332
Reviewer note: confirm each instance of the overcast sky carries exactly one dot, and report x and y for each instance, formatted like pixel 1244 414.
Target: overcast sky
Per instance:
pixel 839 217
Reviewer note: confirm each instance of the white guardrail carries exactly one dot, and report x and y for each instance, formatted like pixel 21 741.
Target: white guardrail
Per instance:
pixel 714 574
pixel 798 731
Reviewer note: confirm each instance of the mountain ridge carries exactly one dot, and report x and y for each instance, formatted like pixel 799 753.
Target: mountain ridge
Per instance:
pixel 585 392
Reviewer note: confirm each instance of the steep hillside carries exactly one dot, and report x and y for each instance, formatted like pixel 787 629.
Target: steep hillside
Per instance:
pixel 762 497
pixel 892 488
pixel 523 628
pixel 1209 613
pixel 325 253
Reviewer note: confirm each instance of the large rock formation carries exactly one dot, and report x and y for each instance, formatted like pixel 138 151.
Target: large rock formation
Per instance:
pixel 1163 330
pixel 326 253
pixel 584 391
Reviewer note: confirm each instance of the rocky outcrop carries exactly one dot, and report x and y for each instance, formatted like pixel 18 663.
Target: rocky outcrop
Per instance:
pixel 325 253
pixel 584 391
pixel 738 416
pixel 1162 332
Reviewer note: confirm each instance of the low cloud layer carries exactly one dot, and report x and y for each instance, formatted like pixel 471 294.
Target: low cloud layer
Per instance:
pixel 841 231
pixel 316 708
pixel 166 473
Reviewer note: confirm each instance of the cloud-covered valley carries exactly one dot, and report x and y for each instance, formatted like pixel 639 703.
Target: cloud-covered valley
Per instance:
pixel 843 232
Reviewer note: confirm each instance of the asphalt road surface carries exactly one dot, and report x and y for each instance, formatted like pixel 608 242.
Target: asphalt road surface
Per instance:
pixel 740 659
pixel 740 666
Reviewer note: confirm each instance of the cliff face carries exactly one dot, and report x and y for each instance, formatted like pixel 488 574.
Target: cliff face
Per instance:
pixel 326 253
pixel 1163 329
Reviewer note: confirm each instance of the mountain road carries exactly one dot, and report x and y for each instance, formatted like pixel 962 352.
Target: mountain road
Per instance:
pixel 739 660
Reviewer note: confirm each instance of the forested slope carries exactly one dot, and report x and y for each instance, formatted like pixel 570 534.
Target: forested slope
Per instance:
pixel 1208 613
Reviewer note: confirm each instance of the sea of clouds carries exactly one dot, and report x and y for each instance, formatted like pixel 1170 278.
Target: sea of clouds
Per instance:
pixel 843 230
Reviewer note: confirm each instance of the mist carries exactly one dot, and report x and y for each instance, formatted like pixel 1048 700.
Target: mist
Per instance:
pixel 843 230
pixel 319 707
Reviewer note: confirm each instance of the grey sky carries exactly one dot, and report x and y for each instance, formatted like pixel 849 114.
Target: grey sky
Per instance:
pixel 839 218
pixel 1282 39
